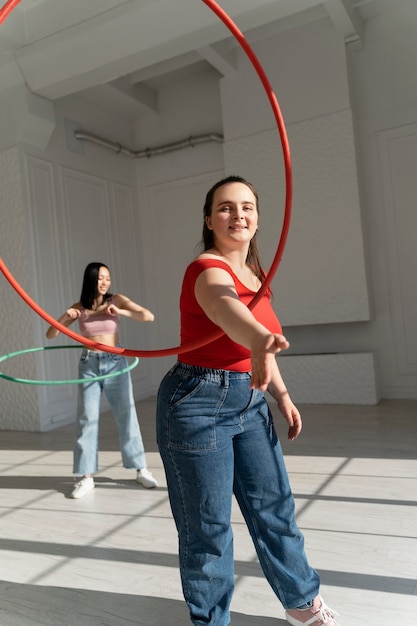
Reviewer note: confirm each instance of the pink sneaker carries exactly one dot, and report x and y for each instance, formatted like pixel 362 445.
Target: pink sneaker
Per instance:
pixel 316 615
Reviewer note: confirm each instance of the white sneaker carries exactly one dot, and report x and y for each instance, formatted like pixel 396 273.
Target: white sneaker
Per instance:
pixel 82 487
pixel 319 614
pixel 145 478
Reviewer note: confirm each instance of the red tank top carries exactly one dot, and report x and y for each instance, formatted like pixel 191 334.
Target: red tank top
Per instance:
pixel 223 353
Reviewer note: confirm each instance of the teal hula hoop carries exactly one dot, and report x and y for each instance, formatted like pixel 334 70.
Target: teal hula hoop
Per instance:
pixel 75 381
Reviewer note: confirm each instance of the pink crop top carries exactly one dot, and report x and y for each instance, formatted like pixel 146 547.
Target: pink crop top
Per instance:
pixel 223 353
pixel 92 325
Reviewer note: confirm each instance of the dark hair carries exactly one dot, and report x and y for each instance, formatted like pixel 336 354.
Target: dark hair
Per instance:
pixel 89 291
pixel 253 258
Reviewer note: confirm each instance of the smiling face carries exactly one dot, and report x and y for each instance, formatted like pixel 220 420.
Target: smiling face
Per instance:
pixel 103 281
pixel 234 214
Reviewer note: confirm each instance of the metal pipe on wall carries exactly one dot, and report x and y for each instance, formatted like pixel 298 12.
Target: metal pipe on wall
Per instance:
pixel 148 152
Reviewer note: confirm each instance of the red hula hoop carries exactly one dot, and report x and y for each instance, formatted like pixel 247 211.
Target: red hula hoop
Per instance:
pixel 7 9
pixel 238 35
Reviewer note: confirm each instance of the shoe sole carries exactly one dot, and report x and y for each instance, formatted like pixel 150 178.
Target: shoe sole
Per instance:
pixel 146 486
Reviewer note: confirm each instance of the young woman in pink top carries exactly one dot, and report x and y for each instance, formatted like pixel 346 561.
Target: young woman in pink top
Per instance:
pixel 98 313
pixel 215 431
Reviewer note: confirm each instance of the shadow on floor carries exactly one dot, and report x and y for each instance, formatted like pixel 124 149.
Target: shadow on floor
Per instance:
pixel 59 606
pixel 65 484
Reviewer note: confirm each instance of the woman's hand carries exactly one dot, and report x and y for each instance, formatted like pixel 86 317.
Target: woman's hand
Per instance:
pixel 291 415
pixel 112 309
pixel 71 314
pixel 130 309
pixel 66 319
pixel 289 411
pixel 263 359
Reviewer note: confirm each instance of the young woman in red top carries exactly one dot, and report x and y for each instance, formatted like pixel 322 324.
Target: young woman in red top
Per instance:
pixel 98 313
pixel 215 430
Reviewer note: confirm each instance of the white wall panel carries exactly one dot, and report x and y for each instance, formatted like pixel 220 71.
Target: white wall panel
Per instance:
pixel 322 277
pixel 18 407
pixel 77 217
pixel 85 210
pixel 128 274
pixel 398 150
pixel 56 400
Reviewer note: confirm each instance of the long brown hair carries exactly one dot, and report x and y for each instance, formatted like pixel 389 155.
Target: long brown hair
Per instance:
pixel 253 257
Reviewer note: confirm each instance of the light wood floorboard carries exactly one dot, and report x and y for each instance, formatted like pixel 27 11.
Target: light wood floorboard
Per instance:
pixel 110 559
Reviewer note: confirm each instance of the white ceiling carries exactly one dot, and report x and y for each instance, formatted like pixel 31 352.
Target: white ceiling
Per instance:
pixel 120 52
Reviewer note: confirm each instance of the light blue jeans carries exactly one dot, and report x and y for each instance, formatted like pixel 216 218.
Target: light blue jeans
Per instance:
pixel 119 393
pixel 216 437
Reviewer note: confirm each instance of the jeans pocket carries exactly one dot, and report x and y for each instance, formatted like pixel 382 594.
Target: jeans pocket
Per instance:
pixel 185 391
pixel 192 417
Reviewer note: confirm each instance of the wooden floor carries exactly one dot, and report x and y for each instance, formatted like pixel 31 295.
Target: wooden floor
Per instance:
pixel 110 559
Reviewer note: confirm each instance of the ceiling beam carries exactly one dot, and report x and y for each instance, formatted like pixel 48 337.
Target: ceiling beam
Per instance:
pixel 140 100
pixel 130 36
pixel 346 19
pixel 164 67
pixel 220 56
pixel 143 95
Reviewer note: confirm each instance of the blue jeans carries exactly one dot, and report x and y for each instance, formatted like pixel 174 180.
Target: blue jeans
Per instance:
pixel 119 393
pixel 216 437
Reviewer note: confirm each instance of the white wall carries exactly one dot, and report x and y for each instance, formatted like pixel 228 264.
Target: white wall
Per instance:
pixel 80 206
pixel 162 200
pixel 384 93
pixel 322 278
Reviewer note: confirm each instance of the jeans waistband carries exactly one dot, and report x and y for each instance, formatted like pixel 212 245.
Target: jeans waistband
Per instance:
pixel 89 353
pixel 208 373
